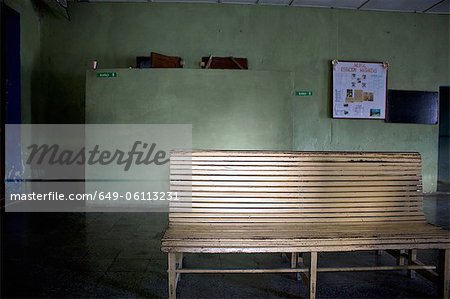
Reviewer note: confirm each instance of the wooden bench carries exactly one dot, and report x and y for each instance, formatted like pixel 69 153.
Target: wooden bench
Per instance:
pixel 300 202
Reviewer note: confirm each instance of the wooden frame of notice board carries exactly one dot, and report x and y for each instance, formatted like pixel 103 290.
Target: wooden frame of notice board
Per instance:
pixel 359 89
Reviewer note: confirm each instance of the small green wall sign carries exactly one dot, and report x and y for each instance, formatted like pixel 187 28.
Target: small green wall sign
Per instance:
pixel 107 74
pixel 303 93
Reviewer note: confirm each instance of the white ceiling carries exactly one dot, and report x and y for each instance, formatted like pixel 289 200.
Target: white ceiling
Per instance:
pixel 419 6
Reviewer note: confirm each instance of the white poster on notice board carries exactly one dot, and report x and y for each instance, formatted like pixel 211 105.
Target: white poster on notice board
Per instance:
pixel 359 89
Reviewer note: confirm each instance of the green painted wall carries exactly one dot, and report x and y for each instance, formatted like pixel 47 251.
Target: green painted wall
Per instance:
pixel 228 109
pixel 30 54
pixel 298 40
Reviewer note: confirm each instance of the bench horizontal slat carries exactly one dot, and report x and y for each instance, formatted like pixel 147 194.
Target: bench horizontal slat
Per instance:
pixel 313 166
pixel 356 198
pixel 295 183
pixel 280 161
pixel 282 189
pixel 420 219
pixel 296 202
pixel 254 229
pixel 182 163
pixel 307 234
pixel 283 209
pixel 253 213
pixel 296 237
pixel 265 153
pixel 304 158
pixel 386 205
pixel 290 249
pixel 298 195
pixel 307 242
pixel 286 172
pixel 296 178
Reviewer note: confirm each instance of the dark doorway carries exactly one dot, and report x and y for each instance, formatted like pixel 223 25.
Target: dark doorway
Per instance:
pixel 12 90
pixel 444 136
pixel 10 99
pixel 11 42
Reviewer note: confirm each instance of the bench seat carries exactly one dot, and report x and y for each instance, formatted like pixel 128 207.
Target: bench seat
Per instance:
pixel 301 202
pixel 253 238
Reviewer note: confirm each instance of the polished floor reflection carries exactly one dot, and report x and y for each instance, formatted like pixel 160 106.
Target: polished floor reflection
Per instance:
pixel 117 255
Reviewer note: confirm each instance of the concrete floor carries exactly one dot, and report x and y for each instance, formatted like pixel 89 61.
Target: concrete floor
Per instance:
pixel 117 255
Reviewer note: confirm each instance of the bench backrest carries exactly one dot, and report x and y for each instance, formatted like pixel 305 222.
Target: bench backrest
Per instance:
pixel 295 187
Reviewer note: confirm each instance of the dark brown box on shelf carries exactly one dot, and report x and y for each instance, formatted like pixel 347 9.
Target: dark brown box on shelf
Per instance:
pixel 163 61
pixel 211 62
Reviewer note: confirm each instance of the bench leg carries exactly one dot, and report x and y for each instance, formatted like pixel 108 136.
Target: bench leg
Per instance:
pixel 444 272
pixel 179 265
pixel 313 276
pixel 171 261
pixel 301 275
pixel 294 258
pixel 300 262
pixel 412 258
pixel 297 260
pixel 401 259
pixel 294 263
pixel 300 258
pixel 179 260
pixel 379 252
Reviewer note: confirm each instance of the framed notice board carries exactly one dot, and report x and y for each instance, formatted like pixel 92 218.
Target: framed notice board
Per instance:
pixel 359 89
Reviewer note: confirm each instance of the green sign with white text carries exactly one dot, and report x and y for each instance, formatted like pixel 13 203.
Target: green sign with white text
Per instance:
pixel 107 74
pixel 303 93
